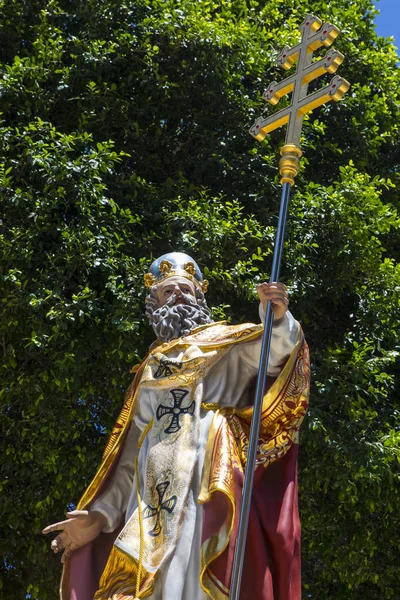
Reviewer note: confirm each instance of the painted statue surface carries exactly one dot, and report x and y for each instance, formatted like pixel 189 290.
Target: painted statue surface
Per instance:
pixel 160 518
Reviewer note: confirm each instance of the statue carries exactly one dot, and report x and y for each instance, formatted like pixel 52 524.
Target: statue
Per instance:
pixel 178 452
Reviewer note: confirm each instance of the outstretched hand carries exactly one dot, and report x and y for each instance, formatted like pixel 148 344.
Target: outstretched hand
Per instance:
pixel 277 294
pixel 80 528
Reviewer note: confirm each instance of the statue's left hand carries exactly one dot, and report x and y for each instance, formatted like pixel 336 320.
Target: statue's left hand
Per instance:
pixel 80 528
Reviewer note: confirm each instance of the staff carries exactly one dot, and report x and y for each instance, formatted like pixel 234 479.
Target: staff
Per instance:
pixel 313 37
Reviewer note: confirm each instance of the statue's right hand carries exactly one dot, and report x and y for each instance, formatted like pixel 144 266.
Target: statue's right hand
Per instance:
pixel 80 528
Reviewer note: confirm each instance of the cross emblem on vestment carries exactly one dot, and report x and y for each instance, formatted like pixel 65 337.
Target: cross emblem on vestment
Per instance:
pixel 155 511
pixel 176 410
pixel 164 369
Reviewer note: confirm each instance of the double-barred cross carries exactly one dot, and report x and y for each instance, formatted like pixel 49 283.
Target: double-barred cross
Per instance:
pixel 176 410
pixel 155 511
pixel 313 37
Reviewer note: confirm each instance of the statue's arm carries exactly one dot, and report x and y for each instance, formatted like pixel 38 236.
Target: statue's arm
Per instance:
pixel 105 514
pixel 113 502
pixel 284 331
pixel 283 341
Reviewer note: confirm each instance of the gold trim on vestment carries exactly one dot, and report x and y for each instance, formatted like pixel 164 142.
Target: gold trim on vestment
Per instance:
pixel 210 406
pixel 284 408
pixel 185 373
pixel 212 586
pixel 223 335
pixel 144 433
pixel 278 385
pixel 116 438
pixel 118 581
pixel 220 452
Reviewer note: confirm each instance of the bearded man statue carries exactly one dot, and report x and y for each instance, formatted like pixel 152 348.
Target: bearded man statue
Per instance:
pixel 160 518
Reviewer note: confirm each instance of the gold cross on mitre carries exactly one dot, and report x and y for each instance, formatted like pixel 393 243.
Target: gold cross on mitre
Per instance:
pixel 313 37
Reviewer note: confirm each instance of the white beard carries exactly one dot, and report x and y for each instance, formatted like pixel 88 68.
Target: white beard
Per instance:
pixel 172 321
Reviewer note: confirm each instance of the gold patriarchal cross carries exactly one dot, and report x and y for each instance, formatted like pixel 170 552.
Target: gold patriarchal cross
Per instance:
pixel 313 37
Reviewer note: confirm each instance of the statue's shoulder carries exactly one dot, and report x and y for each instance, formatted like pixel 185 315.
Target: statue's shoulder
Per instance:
pixel 220 334
pixel 213 335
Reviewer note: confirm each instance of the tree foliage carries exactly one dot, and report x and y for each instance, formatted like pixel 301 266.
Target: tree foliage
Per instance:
pixel 123 136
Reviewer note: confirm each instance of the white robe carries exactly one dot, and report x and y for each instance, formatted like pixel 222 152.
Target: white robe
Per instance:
pixel 225 384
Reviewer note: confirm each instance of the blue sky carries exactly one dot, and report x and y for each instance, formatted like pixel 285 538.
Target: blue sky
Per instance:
pixel 388 22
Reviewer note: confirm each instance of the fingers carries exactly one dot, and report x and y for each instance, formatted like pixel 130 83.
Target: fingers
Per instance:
pixel 278 300
pixel 275 292
pixel 268 283
pixel 60 542
pixel 68 551
pixel 76 514
pixel 273 286
pixel 55 526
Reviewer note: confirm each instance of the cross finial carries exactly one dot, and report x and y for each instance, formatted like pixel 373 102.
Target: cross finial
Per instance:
pixel 313 37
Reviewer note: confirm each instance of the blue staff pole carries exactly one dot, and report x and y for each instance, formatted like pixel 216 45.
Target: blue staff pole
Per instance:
pixel 260 390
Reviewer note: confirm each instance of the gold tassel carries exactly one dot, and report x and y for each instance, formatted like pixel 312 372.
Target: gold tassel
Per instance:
pixel 141 549
pixel 118 581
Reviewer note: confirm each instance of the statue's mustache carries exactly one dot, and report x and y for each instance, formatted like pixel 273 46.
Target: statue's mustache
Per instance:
pixel 188 299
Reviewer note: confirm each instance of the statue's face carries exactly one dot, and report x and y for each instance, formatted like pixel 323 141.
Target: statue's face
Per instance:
pixel 175 285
